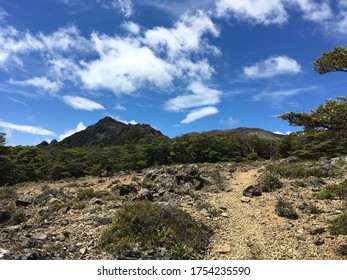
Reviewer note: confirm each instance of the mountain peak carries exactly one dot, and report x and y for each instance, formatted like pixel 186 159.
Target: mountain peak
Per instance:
pixel 109 131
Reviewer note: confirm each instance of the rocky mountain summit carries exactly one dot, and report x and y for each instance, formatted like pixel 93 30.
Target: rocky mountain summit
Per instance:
pixel 66 219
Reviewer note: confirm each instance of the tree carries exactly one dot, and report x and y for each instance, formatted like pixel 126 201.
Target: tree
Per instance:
pixel 332 61
pixel 2 139
pixel 330 116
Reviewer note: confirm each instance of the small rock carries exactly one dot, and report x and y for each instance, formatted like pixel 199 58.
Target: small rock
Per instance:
pixel 317 230
pixel 144 194
pixel 245 199
pixel 3 253
pixel 96 201
pixel 23 202
pixel 292 159
pixel 301 237
pixel 225 215
pixel 221 249
pixel 104 220
pixel 4 216
pixel 318 241
pixel 83 251
pixel 13 228
pixel 39 236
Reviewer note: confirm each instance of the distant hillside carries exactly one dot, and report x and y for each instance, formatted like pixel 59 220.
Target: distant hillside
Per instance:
pixel 108 131
pixel 261 133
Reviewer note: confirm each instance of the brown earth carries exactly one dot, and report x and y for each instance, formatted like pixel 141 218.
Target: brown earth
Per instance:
pixel 241 230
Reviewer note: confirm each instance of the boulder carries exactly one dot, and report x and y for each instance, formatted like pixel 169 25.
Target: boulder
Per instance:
pixel 251 191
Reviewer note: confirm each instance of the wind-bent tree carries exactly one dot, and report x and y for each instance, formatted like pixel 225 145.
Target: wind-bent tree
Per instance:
pixel 331 116
pixel 332 61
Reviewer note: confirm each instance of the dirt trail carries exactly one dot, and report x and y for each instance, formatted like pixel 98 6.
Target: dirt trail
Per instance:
pixel 241 228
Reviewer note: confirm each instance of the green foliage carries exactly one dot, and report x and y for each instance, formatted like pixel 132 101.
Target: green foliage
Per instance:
pixel 17 217
pixel 284 208
pixel 335 191
pixel 329 116
pixel 339 225
pixel 85 194
pixel 2 139
pixel 149 226
pixel 301 170
pixel 271 182
pixel 7 193
pixel 332 61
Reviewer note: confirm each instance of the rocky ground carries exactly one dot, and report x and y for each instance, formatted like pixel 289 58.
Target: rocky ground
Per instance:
pixel 64 219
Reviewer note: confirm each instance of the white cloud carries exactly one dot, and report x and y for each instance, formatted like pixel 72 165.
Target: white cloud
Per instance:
pixel 121 120
pixel 69 132
pixel 124 6
pixel 80 103
pixel 132 27
pixel 3 14
pixel 281 133
pixel 186 36
pixel 259 11
pixel 273 66
pixel 201 96
pixel 313 11
pixel 120 107
pixel 39 82
pixel 277 96
pixel 124 66
pixel 27 129
pixel 199 113
pixel 233 121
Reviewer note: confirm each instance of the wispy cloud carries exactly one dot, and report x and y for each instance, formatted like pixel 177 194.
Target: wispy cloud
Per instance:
pixel 3 14
pixel 273 66
pixel 18 101
pixel 39 82
pixel 124 6
pixel 278 96
pixel 120 107
pixel 27 129
pixel 69 132
pixel 80 103
pixel 199 113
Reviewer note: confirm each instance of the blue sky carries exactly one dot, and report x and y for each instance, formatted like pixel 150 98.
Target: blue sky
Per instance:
pixel 180 66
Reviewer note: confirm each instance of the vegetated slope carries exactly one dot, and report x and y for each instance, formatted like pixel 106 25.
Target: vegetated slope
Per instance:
pixel 108 131
pixel 241 131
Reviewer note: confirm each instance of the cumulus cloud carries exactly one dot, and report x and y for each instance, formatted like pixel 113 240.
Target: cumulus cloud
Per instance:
pixel 201 96
pixel 27 129
pixel 124 66
pixel 39 82
pixel 80 103
pixel 199 113
pixel 260 11
pixel 69 132
pixel 281 133
pixel 273 66
pixel 185 36
pixel 313 11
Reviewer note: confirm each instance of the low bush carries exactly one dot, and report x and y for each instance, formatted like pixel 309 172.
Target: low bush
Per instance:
pixel 7 193
pixel 297 170
pixel 284 208
pixel 17 217
pixel 150 226
pixel 335 191
pixel 270 182
pixel 339 225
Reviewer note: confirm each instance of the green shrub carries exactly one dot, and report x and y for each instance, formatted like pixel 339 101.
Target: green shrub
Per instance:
pixel 301 170
pixel 17 217
pixel 7 193
pixel 85 194
pixel 335 191
pixel 339 224
pixel 151 226
pixel 284 208
pixel 270 182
